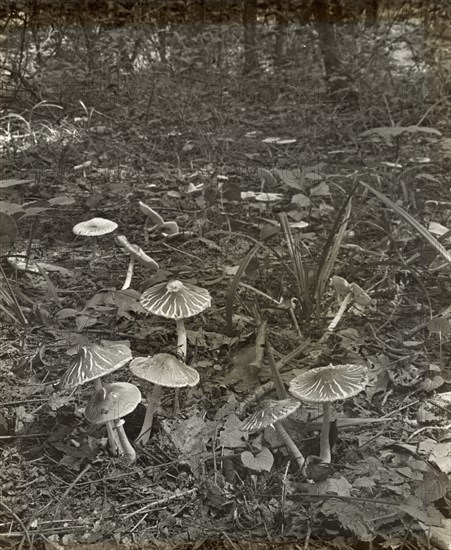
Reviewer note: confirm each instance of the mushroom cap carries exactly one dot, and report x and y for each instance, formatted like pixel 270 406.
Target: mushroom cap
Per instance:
pixel 94 361
pixel 341 285
pixel 137 252
pixel 170 228
pixel 175 300
pixel 164 369
pixel 272 411
pixel 112 402
pixel 360 296
pixel 342 288
pixel 151 214
pixel 326 384
pixel 94 227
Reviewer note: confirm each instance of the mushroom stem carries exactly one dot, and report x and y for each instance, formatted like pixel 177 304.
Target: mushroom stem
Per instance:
pixel 129 451
pixel 344 304
pixel 115 446
pixel 181 339
pixel 152 402
pixel 324 444
pixel 128 280
pixel 290 444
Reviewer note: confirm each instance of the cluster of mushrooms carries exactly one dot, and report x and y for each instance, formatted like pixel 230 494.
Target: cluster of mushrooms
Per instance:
pixel 178 301
pixel 110 403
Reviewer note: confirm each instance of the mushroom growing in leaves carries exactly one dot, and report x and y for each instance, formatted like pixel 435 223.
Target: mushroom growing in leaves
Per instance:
pixel 168 228
pixel 271 414
pixel 325 385
pixel 90 364
pixel 136 254
pixel 162 370
pixel 348 293
pixel 178 301
pixel 109 405
pixel 95 227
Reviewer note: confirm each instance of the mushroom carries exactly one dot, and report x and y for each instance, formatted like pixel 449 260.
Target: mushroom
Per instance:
pixel 168 228
pixel 271 414
pixel 90 364
pixel 347 292
pixel 325 385
pixel 136 253
pixel 109 405
pixel 162 370
pixel 96 227
pixel 176 300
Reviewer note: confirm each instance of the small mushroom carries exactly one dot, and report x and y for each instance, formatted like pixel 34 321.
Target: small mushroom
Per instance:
pixel 136 254
pixel 109 405
pixel 162 370
pixel 178 301
pixel 349 293
pixel 271 414
pixel 168 228
pixel 90 364
pixel 96 227
pixel 326 385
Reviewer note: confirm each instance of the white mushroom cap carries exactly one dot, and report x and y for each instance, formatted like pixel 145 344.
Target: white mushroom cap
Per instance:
pixel 137 253
pixel 175 300
pixel 94 227
pixel 164 369
pixel 112 402
pixel 342 288
pixel 270 413
pixel 94 361
pixel 326 384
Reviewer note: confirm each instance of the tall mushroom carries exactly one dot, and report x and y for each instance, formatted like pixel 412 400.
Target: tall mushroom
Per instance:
pixel 95 227
pixel 90 364
pixel 325 385
pixel 271 414
pixel 162 370
pixel 178 301
pixel 109 405
pixel 136 254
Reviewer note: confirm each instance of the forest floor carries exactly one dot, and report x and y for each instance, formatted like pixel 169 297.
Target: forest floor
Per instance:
pixel 200 156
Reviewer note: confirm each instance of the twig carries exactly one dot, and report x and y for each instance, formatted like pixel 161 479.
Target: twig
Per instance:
pixel 19 521
pixel 159 502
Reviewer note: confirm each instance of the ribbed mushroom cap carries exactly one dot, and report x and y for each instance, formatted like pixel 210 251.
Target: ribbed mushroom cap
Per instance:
pixel 151 214
pixel 270 413
pixel 137 253
pixel 164 369
pixel 112 402
pixel 94 361
pixel 94 227
pixel 175 300
pixel 326 384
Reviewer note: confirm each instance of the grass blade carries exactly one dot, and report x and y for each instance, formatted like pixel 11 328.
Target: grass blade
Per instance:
pixel 411 221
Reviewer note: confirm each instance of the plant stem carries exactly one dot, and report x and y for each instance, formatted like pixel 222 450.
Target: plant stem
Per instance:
pixel 152 402
pixel 290 444
pixel 275 373
pixel 129 451
pixel 128 280
pixel 324 444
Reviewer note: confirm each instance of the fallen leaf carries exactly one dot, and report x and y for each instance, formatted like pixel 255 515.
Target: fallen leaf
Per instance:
pixel 262 461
